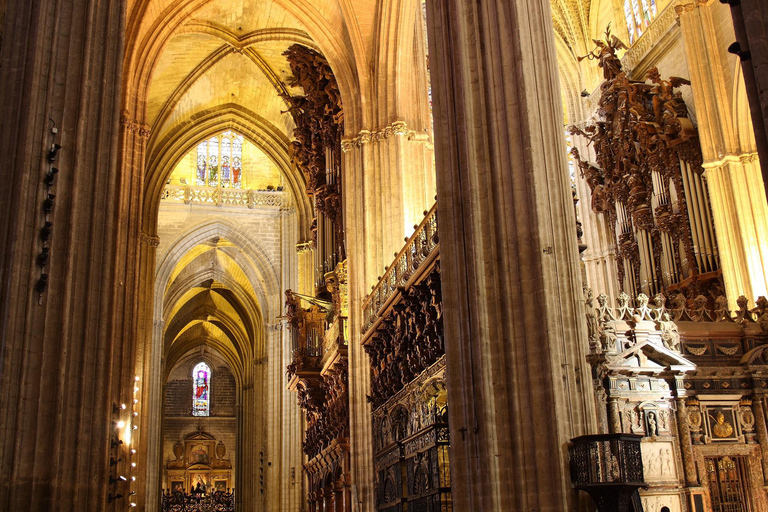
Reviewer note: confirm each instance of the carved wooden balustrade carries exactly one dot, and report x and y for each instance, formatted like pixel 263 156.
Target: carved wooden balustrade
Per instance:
pixel 701 329
pixel 403 336
pixel 420 249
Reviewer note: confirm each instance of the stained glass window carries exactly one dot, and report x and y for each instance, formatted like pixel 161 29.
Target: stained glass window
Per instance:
pixel 237 162
pixel 213 159
pixel 202 157
pixel 639 15
pixel 226 153
pixel 220 161
pixel 201 390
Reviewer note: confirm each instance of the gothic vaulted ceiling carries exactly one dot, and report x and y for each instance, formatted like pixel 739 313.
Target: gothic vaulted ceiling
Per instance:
pixel 224 53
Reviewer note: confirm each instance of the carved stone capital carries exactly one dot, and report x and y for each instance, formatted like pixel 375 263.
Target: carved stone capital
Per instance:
pixel 303 247
pixel 369 137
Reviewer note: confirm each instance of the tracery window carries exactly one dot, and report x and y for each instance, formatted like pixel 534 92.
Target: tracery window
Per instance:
pixel 220 161
pixel 201 390
pixel 639 14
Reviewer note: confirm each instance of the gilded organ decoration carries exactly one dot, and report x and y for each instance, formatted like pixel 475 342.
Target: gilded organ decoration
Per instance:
pixel 647 180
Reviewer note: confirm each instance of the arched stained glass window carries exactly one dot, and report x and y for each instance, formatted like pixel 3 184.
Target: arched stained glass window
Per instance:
pixel 220 161
pixel 201 390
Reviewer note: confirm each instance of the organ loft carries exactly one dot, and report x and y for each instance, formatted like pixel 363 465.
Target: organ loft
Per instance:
pixel 384 255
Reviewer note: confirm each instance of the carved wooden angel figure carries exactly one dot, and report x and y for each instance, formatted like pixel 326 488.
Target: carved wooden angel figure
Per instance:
pixel 642 311
pixel 722 313
pixel 700 312
pixel 605 53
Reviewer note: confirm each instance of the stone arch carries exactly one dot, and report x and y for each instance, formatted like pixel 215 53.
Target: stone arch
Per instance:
pixel 258 268
pixel 163 155
pixel 742 116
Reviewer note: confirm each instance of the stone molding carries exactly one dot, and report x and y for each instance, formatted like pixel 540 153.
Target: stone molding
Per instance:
pixel 303 247
pixel 130 124
pixel 151 240
pixel 370 137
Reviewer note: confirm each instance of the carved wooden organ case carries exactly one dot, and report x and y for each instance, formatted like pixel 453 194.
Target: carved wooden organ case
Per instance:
pixel 316 150
pixel 318 371
pixel 319 374
pixel 411 439
pixel 648 181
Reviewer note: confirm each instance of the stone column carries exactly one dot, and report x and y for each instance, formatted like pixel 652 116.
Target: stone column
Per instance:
pixel 360 267
pixel 750 21
pixel 64 357
pixel 515 334
pixel 614 416
pixel 762 433
pixel 739 208
pixel 684 431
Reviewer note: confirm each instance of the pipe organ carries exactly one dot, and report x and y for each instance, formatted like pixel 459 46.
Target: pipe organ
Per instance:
pixel 319 368
pixel 648 181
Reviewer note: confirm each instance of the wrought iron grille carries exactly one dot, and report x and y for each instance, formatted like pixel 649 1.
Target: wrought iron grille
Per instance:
pixel 729 484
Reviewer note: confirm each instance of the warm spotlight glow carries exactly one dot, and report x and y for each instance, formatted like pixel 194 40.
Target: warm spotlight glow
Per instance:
pixel 120 424
pixel 137 378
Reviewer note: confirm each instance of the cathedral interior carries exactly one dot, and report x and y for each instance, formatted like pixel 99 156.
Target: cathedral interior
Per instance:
pixel 384 255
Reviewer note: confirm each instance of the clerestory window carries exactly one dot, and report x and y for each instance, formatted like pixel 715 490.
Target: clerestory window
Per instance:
pixel 639 14
pixel 220 161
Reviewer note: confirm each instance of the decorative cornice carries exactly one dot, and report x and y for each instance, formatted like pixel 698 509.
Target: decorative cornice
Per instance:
pixel 744 158
pixel 151 240
pixel 370 137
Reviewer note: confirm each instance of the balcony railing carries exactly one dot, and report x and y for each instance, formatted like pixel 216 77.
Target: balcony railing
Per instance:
pixel 417 249
pixel 220 196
